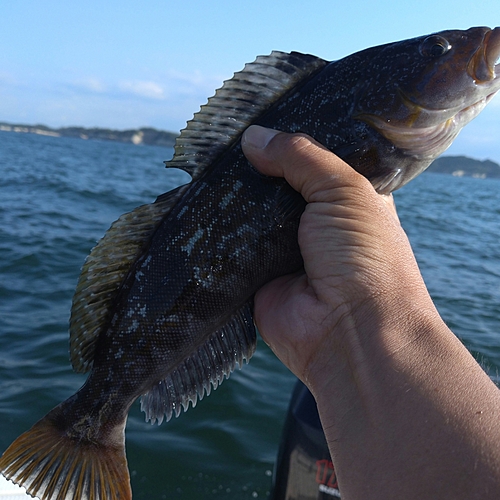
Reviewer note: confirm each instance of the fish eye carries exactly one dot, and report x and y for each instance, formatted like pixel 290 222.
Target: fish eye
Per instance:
pixel 434 46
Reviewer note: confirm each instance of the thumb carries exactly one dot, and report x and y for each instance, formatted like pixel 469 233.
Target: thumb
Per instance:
pixel 306 165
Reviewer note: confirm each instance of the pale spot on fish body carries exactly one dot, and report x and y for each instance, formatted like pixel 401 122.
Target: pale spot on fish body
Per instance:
pixel 137 310
pixel 246 229
pixel 147 260
pixel 231 195
pixel 201 187
pixel 182 211
pixel 188 248
pixel 205 278
pixel 133 327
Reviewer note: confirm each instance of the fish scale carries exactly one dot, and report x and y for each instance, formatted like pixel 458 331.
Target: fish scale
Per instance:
pixel 163 307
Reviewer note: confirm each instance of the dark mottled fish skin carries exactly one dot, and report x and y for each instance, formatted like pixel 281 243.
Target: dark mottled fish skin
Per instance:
pixel 172 283
pixel 192 302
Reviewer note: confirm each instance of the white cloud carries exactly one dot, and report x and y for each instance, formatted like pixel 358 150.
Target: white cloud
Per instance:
pixel 86 84
pixel 94 84
pixel 137 88
pixel 193 84
pixel 195 78
pixel 151 90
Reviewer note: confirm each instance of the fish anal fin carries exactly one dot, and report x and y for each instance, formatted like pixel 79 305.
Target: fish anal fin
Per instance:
pixel 104 271
pixel 203 370
pixel 52 466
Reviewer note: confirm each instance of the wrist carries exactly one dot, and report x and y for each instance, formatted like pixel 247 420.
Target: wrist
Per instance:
pixel 368 342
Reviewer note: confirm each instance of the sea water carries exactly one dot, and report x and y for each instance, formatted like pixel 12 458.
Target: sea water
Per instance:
pixel 57 198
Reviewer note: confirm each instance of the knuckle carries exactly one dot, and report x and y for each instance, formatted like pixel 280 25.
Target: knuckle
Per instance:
pixel 301 145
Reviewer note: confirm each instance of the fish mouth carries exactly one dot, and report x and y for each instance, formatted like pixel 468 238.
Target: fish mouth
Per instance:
pixel 484 65
pixel 426 142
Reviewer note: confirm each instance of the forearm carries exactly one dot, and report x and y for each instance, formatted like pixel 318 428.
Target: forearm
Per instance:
pixel 407 411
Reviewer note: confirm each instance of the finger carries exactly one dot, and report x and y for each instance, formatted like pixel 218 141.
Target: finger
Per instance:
pixel 307 166
pixel 388 199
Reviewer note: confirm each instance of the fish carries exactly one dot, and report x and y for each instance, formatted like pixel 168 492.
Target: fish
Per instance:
pixel 163 309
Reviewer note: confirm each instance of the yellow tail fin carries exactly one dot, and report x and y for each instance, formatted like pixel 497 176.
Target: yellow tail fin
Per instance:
pixel 53 466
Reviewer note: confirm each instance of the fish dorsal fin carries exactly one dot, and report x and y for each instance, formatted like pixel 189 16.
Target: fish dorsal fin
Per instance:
pixel 104 271
pixel 236 105
pixel 205 368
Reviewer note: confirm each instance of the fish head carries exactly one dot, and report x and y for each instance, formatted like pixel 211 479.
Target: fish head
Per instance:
pixel 418 94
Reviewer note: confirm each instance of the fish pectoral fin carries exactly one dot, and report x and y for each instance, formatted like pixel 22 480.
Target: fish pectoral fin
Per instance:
pixel 367 161
pixel 51 465
pixel 104 271
pixel 289 204
pixel 206 368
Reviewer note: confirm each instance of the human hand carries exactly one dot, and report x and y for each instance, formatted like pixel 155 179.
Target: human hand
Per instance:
pixel 359 267
pixel 406 410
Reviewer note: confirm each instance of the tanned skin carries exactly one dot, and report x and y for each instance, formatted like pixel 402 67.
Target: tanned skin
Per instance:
pixel 407 411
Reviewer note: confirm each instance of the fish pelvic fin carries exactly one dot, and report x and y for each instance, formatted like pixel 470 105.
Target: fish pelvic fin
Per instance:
pixel 53 466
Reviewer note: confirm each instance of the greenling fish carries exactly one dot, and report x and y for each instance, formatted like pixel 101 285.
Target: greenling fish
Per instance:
pixel 163 308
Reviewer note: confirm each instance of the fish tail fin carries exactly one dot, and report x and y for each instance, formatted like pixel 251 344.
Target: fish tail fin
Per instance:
pixel 53 466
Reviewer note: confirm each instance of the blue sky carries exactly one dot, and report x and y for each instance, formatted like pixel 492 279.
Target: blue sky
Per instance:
pixel 124 64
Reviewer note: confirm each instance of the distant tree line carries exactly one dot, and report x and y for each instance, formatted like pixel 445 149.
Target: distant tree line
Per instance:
pixel 463 166
pixel 145 135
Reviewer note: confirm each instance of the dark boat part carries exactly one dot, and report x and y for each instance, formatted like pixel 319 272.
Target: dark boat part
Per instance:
pixel 304 468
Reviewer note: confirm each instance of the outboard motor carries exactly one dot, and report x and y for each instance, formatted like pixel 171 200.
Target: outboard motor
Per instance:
pixel 304 468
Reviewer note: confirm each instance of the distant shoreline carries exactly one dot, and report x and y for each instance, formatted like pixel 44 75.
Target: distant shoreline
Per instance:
pixel 145 135
pixel 458 166
pixel 463 166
